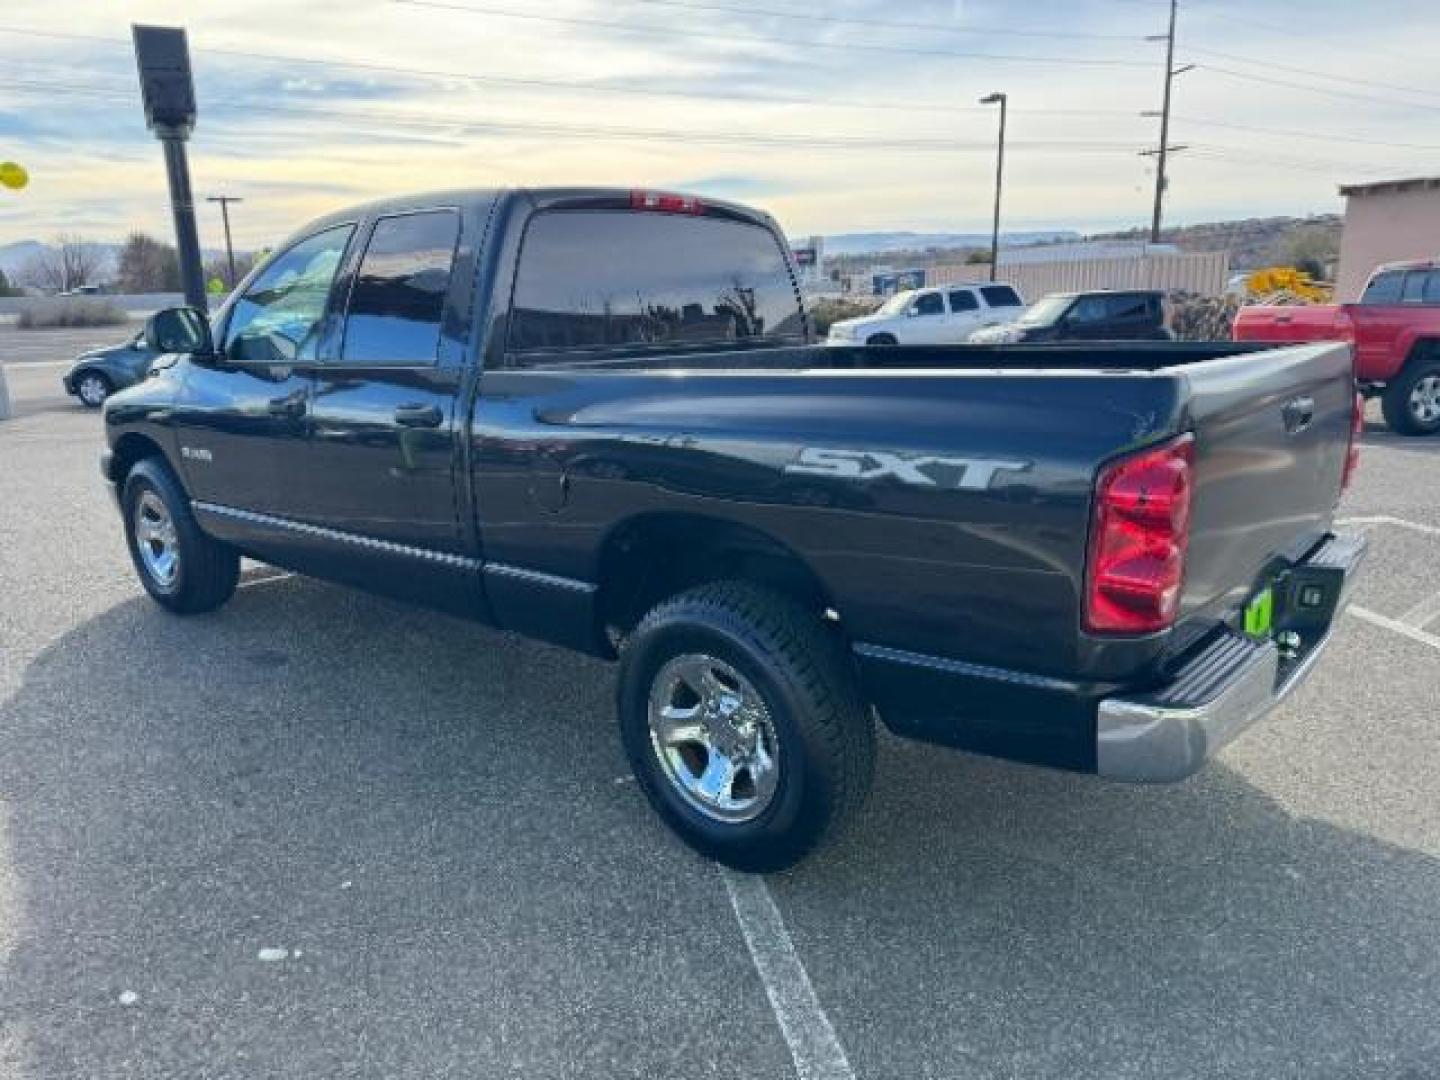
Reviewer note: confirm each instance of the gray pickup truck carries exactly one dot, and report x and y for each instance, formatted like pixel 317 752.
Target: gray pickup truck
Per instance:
pixel 598 418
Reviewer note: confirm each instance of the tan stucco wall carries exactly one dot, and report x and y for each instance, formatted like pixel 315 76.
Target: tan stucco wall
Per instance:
pixel 1386 227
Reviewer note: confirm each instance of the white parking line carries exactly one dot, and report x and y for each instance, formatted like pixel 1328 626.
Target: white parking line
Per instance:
pixel 1422 613
pixel 814 1047
pixel 1387 519
pixel 1387 623
pixel 263 579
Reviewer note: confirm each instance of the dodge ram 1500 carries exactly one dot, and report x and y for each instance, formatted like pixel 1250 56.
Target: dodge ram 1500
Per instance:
pixel 597 418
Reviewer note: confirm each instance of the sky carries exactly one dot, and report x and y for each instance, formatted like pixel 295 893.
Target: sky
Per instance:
pixel 835 115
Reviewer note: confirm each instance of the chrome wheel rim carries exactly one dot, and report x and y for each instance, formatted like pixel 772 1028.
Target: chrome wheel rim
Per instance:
pixel 714 738
pixel 1425 400
pixel 155 539
pixel 92 390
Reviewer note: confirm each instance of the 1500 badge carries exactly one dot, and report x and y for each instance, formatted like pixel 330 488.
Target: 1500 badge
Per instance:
pixel 922 470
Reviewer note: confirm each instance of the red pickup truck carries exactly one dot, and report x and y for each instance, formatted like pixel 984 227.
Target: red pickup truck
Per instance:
pixel 1394 331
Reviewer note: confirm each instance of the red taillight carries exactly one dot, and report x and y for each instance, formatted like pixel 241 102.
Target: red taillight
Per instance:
pixel 1352 455
pixel 1138 536
pixel 664 203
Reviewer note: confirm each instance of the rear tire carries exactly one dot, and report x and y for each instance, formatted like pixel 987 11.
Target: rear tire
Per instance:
pixel 1411 403
pixel 805 764
pixel 182 569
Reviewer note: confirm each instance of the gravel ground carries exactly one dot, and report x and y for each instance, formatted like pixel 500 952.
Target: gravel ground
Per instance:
pixel 318 834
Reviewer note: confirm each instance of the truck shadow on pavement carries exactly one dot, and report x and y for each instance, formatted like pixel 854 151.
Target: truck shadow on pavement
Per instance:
pixel 435 816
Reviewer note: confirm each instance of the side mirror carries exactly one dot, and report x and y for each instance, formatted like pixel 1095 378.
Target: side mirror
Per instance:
pixel 179 330
pixel 911 312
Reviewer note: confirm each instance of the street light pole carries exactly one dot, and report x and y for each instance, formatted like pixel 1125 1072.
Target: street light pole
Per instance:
pixel 225 201
pixel 1002 100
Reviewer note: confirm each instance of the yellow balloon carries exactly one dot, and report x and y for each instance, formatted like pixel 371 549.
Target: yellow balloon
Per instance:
pixel 13 176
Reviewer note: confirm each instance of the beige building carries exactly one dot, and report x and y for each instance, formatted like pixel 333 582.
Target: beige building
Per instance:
pixel 1386 222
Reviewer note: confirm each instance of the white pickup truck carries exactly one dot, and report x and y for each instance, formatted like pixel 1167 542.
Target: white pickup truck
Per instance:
pixel 943 315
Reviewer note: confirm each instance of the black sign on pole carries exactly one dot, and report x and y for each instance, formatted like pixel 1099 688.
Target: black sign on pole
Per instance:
pixel 168 93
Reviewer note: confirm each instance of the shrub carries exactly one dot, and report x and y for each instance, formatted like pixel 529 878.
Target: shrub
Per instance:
pixel 70 311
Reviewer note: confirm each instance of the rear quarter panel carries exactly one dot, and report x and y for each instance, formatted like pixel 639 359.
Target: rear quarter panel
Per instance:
pixel 988 573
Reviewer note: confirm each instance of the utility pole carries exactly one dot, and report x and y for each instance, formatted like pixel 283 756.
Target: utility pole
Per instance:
pixel 1001 100
pixel 225 201
pixel 1162 152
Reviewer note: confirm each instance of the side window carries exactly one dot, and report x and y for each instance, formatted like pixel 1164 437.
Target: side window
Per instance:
pixel 624 282
pixel 278 320
pixel 930 303
pixel 398 298
pixel 1089 309
pixel 1414 287
pixel 1129 308
pixel 1001 296
pixel 1432 288
pixel 963 300
pixel 1384 288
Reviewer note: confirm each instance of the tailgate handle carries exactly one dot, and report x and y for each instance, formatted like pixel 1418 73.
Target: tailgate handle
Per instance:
pixel 1298 413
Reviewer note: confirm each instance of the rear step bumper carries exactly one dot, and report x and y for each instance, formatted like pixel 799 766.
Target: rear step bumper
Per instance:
pixel 1168 734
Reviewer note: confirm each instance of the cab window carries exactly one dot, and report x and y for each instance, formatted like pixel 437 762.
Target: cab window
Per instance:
pixel 930 303
pixel 1414 289
pixel 1384 288
pixel 398 298
pixel 963 300
pixel 280 317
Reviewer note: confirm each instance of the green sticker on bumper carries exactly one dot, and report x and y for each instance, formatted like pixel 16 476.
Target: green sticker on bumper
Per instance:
pixel 1259 613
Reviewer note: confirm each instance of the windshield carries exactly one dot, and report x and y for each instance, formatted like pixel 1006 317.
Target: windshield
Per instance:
pixel 1046 311
pixel 896 304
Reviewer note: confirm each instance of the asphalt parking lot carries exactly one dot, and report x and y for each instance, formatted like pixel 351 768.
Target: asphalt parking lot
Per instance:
pixel 317 834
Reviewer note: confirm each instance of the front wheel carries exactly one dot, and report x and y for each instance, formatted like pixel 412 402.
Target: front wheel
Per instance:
pixel 1411 403
pixel 881 339
pixel 743 725
pixel 92 389
pixel 181 568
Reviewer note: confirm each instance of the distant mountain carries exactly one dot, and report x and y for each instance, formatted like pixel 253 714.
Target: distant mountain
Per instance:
pixel 875 242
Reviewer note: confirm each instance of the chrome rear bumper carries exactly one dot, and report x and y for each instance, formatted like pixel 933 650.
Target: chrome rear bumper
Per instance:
pixel 1168 734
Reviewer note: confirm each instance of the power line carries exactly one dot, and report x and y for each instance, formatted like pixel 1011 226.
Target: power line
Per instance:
pixel 436 121
pixel 708 35
pixel 1295 133
pixel 557 84
pixel 1266 80
pixel 887 24
pixel 1349 79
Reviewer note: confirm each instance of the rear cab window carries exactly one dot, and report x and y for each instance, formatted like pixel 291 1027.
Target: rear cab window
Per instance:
pixel 1001 296
pixel 599 285
pixel 962 300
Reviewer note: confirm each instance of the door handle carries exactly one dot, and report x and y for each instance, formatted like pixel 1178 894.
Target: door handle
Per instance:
pixel 418 416
pixel 291 407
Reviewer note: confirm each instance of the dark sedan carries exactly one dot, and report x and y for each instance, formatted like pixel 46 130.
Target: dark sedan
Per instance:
pixel 99 372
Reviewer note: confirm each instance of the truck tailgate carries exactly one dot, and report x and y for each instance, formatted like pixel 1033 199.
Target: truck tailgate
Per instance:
pixel 1267 322
pixel 1271 436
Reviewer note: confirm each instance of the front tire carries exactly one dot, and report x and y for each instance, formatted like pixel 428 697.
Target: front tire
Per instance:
pixel 744 726
pixel 92 389
pixel 881 339
pixel 1411 403
pixel 181 568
